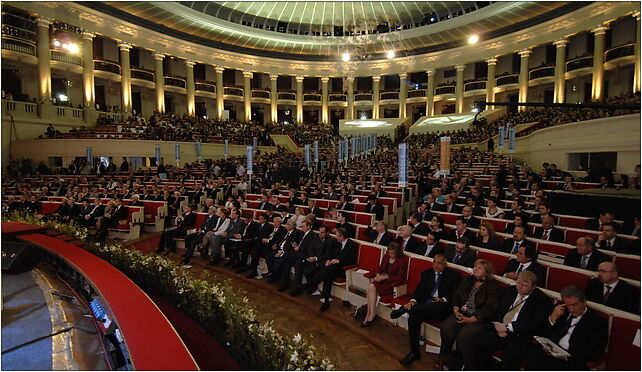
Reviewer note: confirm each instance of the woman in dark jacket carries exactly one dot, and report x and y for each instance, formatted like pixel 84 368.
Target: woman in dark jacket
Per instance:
pixel 474 303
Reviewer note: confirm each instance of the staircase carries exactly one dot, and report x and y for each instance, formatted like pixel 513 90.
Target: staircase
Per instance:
pixel 286 141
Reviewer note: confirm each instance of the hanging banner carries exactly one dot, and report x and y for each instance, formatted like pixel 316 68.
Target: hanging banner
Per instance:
pixel 177 150
pixel 500 136
pixel 403 165
pixel 511 140
pixel 340 154
pixel 345 150
pixel 316 151
pixel 307 155
pixel 225 149
pixel 255 143
pixel 444 161
pixel 157 154
pixel 88 152
pixel 197 147
pixel 249 153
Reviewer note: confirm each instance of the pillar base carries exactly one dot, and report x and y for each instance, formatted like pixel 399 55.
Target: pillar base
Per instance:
pixel 90 116
pixel 47 111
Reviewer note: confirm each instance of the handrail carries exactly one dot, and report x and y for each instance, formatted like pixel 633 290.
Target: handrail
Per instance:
pixel 16 45
pixel 143 74
pixel 65 57
pixel 107 66
pixel 619 51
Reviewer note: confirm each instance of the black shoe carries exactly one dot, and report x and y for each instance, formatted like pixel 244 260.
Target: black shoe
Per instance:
pixel 185 262
pixel 159 250
pixel 394 314
pixel 368 323
pixel 360 313
pixel 283 288
pixel 297 291
pixel 267 275
pixel 409 359
pixel 325 306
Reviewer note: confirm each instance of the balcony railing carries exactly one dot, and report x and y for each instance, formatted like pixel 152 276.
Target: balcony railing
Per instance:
pixel 416 93
pixel 619 52
pixel 233 91
pixel 18 46
pixel 21 108
pixel 448 89
pixel 108 66
pixel 18 33
pixel 142 74
pixel 475 85
pixel 363 97
pixel 65 57
pixel 287 95
pixel 578 63
pixel 205 86
pixel 541 72
pixel 389 95
pixel 507 79
pixel 260 94
pixel 312 97
pixel 68 112
pixel 175 81
pixel 338 97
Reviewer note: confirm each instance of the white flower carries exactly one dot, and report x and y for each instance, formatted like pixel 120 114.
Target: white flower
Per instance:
pixel 297 338
pixel 294 357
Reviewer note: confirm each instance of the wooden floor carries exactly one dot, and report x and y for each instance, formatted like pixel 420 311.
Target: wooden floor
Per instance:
pixel 350 347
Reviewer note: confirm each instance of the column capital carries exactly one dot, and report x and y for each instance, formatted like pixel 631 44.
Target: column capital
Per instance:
pixel 44 21
pixel 124 46
pixel 350 79
pixel 159 56
pixel 325 79
pixel 560 43
pixel 403 76
pixel 376 78
pixel 299 79
pixel 460 67
pixel 636 15
pixel 219 70
pixel 86 35
pixel 190 63
pixel 430 72
pixel 248 74
pixel 491 61
pixel 274 76
pixel 525 53
pixel 600 30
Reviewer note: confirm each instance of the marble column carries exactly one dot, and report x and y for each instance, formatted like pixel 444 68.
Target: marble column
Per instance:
pixel 89 95
pixel 325 118
pixel 190 87
pixel 376 93
pixel 220 91
pixel 44 61
pixel 490 81
pixel 403 94
pixel 350 89
pixel 274 96
pixel 636 74
pixel 597 87
pixel 159 77
pixel 299 100
pixel 459 89
pixel 125 79
pixel 523 77
pixel 560 71
pixel 247 95
pixel 430 93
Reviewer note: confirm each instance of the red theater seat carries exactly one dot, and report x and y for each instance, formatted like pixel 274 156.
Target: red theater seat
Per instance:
pixel 559 278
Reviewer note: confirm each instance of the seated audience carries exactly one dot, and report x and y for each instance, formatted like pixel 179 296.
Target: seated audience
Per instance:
pixel 460 253
pixel 609 290
pixel 585 255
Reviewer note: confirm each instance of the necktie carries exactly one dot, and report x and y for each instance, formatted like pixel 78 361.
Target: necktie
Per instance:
pixel 437 283
pixel 545 235
pixel 584 262
pixel 607 294
pixel 515 248
pixel 428 250
pixel 285 240
pixel 517 305
pixel 457 258
pixel 520 268
pixel 564 330
pixel 403 244
pixel 608 245
pixel 378 239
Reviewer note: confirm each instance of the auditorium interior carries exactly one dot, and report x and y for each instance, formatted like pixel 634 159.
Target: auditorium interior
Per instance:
pixel 320 185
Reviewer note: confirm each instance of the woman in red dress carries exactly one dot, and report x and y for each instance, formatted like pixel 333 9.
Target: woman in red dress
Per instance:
pixel 392 272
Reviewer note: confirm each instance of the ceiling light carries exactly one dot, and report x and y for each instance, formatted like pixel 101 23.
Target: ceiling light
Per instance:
pixel 473 39
pixel 64 46
pixel 390 54
pixel 363 117
pixel 345 57
pixel 56 43
pixel 73 48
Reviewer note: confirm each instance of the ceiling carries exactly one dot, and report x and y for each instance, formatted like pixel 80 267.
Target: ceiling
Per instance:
pixel 323 31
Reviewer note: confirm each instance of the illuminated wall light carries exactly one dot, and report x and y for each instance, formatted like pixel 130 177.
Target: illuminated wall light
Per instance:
pixel 65 46
pixel 345 57
pixel 63 97
pixel 56 43
pixel 390 54
pixel 73 48
pixel 473 39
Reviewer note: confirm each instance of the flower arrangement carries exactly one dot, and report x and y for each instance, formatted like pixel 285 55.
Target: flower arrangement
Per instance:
pixel 220 308
pixel 76 231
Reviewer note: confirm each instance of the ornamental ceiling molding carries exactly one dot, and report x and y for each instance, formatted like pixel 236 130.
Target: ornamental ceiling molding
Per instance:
pixel 569 24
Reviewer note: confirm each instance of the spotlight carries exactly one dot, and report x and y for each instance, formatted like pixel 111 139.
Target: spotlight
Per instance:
pixel 363 117
pixel 74 49
pixel 473 39
pixel 56 43
pixel 63 98
pixel 345 57
pixel 475 109
pixel 390 54
pixel 65 46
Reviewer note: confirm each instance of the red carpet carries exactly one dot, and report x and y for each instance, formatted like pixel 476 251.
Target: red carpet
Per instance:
pixel 147 245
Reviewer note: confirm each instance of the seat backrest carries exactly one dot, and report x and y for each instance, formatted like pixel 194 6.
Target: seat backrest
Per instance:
pixel 498 224
pixel 559 277
pixel 498 260
pixel 151 207
pixel 49 207
pixel 629 266
pixel 551 247
pixel 415 268
pixel 200 217
pixel 623 355
pixel 577 222
pixel 573 234
pixel 369 257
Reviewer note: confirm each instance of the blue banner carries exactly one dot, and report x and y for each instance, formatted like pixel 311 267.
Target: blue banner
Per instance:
pixel 249 153
pixel 177 150
pixel 316 151
pixel 353 147
pixel 197 147
pixel 225 149
pixel 511 140
pixel 345 149
pixel 89 154
pixel 340 155
pixel 403 165
pixel 500 145
pixel 157 154
pixel 307 155
pixel 255 144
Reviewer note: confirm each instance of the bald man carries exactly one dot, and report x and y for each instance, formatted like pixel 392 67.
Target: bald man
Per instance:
pixel 607 289
pixel 585 255
pixel 548 231
pixel 405 239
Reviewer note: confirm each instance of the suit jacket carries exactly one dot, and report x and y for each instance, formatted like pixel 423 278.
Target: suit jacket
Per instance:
pixel 345 207
pixel 467 259
pixel 317 212
pixel 473 222
pixel 412 245
pixel 623 297
pixel 486 299
pixel 422 248
pixel 372 235
pixel 376 209
pixel 265 231
pixel 250 230
pixel 555 235
pixel 533 315
pixel 235 227
pixel 468 234
pixel 397 271
pixel 209 223
pixel 588 340
pixel 453 209
pixel 278 236
pixel 324 249
pixel 188 221
pixel 509 244
pixel 592 224
pixel 574 259
pixel 449 283
pixel 264 206
pixel 620 245
pixel 534 267
pixel 346 256
pixel 307 242
pixel 293 237
pixel 421 229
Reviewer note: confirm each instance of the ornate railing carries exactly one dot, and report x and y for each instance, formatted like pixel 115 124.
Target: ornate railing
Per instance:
pixel 175 81
pixel 507 79
pixel 416 93
pixel 66 57
pixel 389 95
pixel 312 97
pixel 233 91
pixel 286 95
pixel 18 46
pixel 363 97
pixel 337 97
pixel 108 66
pixel 578 63
pixel 448 89
pixel 205 86
pixel 475 85
pixel 19 33
pixel 619 52
pixel 142 74
pixel 541 72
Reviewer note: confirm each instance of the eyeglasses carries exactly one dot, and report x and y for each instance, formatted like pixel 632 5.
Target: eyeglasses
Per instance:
pixel 605 271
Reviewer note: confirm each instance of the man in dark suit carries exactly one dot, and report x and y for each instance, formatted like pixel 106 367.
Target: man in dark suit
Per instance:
pixel 522 313
pixel 314 258
pixel 609 290
pixel 308 241
pixel 97 210
pixel 344 254
pixel 316 211
pixel 192 240
pixel 460 253
pixel 430 249
pixel 518 240
pixel 278 259
pixel 526 260
pixel 461 231
pixel 374 207
pixel 414 221
pixel 585 255
pixel 432 300
pixel 517 209
pixel 266 246
pixel 264 205
pixel 379 192
pixel 471 221
pixel 378 235
pixel 577 329
pixel 596 223
pixel 449 204
pixel 185 222
pixel 544 210
pixel 343 204
pixel 609 241
pixel 248 248
pixel 234 230
pixel 110 220
pixel 235 242
pixel 548 231
pixel 405 239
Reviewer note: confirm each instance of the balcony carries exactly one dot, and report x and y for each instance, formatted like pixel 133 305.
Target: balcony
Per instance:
pixel 107 66
pixel 18 33
pixel 66 58
pixel 142 74
pixel 448 89
pixel 475 85
pixel 19 46
pixel 416 93
pixel 21 109
pixel 205 86
pixel 175 81
pixel 578 63
pixel 261 94
pixel 620 51
pixel 315 97
pixel 541 72
pixel 69 113
pixel 337 97
pixel 233 91
pixel 363 96
pixel 506 80
pixel 287 96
